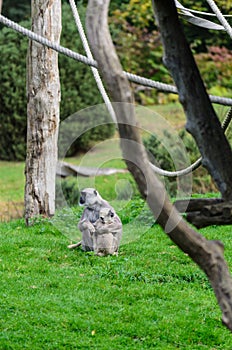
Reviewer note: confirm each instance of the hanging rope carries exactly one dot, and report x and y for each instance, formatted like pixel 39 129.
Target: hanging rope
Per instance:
pixel 156 169
pixel 132 77
pixel 227 120
pixel 83 59
pixel 90 56
pixel 220 17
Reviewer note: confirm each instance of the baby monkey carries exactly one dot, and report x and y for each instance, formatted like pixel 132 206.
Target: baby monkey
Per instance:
pixel 108 233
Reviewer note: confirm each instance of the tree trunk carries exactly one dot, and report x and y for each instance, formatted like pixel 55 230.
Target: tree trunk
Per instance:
pixel 43 93
pixel 207 254
pixel 202 121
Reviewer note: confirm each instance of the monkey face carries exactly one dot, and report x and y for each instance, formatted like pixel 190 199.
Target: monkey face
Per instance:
pixel 106 215
pixel 89 197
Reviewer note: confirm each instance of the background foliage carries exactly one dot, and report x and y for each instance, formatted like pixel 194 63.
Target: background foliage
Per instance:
pixel 138 44
pixel 78 90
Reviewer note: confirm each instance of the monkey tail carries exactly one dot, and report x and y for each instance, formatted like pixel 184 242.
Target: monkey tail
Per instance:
pixel 73 246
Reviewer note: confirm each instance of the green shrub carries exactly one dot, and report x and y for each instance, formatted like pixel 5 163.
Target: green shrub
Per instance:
pixel 13 94
pixel 160 155
pixel 215 67
pixel 78 90
pixel 137 40
pixel 67 189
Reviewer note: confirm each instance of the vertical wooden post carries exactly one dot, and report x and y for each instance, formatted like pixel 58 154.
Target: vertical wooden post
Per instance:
pixel 43 94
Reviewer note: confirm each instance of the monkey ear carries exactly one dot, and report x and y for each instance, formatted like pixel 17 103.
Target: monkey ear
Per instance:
pixel 111 213
pixel 95 192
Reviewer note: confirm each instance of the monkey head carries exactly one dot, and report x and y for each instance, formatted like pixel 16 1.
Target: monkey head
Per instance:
pixel 89 197
pixel 106 215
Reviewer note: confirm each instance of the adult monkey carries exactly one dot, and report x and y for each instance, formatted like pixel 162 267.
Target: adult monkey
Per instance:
pixel 93 203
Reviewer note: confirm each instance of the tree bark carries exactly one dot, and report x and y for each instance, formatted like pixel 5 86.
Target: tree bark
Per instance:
pixel 207 254
pixel 43 93
pixel 202 121
pixel 195 204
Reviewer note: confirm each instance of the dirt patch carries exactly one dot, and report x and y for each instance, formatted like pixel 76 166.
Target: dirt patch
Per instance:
pixel 11 210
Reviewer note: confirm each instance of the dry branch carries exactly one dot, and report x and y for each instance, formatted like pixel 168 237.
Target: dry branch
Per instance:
pixel 64 169
pixel 207 254
pixel 195 204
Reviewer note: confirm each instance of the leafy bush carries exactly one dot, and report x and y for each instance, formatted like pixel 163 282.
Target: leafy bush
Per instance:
pixel 68 189
pixel 160 156
pixel 157 153
pixel 215 67
pixel 13 94
pixel 138 45
pixel 78 90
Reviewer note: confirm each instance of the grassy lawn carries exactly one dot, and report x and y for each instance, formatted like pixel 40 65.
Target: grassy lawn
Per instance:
pixel 11 190
pixel 105 154
pixel 11 181
pixel 151 297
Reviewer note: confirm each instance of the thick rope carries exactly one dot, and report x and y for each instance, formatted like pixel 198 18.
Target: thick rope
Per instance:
pixel 227 120
pixel 83 59
pixel 40 39
pixel 84 40
pixel 171 88
pixel 220 17
pixel 90 56
pixel 132 77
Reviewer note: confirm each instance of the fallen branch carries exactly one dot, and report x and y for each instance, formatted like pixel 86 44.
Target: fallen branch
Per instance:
pixel 195 204
pixel 64 169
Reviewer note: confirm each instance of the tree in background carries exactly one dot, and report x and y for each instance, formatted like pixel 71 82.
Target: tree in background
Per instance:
pixel 43 92
pixel 78 89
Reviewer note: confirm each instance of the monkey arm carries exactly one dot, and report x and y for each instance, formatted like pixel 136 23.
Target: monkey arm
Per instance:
pixel 115 226
pixel 112 227
pixel 101 228
pixel 85 225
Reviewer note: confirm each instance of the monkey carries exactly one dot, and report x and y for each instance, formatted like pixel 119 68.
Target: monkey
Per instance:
pixel 108 233
pixel 93 202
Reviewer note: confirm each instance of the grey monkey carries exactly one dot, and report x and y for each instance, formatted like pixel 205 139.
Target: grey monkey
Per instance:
pixel 93 202
pixel 108 233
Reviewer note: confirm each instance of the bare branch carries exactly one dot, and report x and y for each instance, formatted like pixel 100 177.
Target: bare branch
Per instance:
pixel 202 120
pixel 207 254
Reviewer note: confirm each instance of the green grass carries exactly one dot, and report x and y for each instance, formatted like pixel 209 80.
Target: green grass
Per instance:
pixel 105 154
pixel 150 297
pixel 11 181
